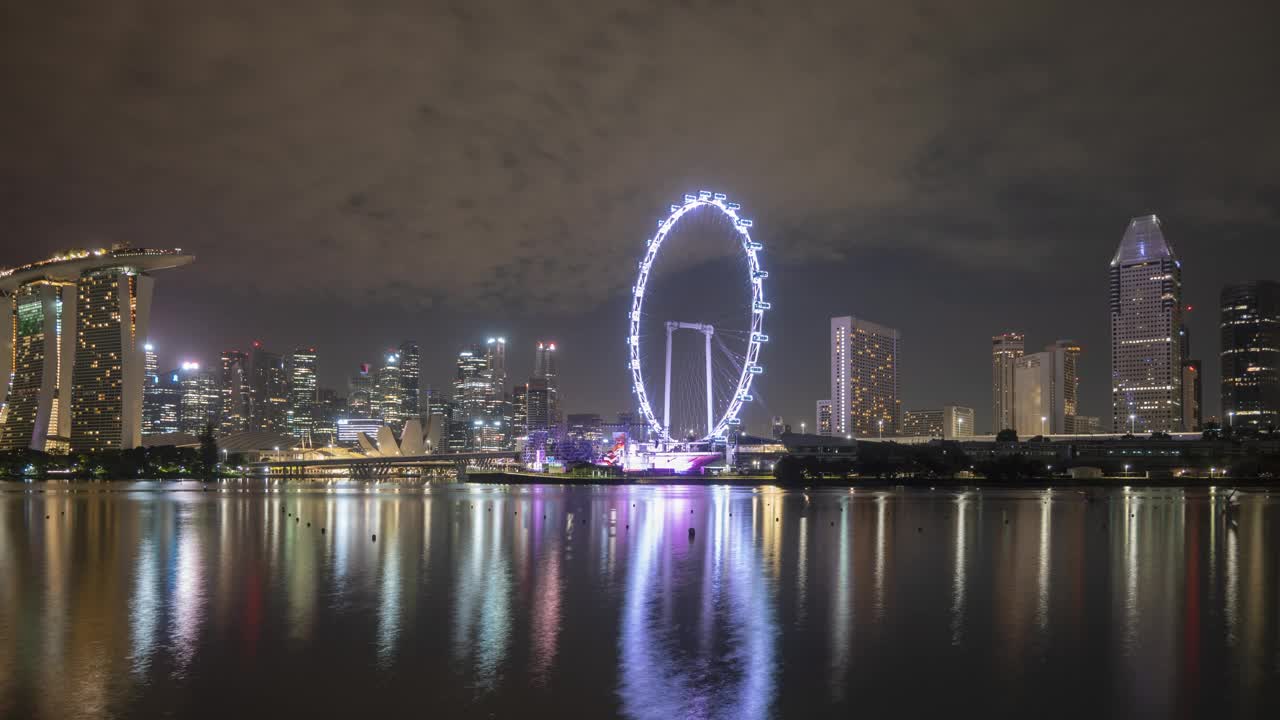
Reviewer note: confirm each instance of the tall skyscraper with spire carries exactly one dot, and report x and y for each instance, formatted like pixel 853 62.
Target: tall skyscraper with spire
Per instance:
pixel 1006 348
pixel 1146 331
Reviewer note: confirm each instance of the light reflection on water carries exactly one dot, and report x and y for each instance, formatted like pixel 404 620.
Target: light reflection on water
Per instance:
pixel 146 600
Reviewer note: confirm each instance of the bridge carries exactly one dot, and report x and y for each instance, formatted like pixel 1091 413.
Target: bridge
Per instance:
pixel 383 466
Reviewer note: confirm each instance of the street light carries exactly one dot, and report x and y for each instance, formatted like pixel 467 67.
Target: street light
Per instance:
pixel 880 423
pixel 1231 419
pixel 1043 420
pixel 801 428
pixel 1132 418
pixel 1126 469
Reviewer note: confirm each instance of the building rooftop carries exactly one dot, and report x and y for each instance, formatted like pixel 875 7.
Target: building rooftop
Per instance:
pixel 70 265
pixel 1143 240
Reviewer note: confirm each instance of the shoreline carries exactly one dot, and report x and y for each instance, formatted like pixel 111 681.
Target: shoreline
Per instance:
pixel 509 478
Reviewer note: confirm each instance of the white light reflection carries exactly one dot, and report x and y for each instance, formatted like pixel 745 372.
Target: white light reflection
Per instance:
pixel 144 607
pixel 659 683
pixel 188 595
pixel 1043 571
pixel 958 578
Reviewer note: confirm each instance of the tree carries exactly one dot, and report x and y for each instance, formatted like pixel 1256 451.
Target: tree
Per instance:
pixel 208 450
pixel 1007 435
pixel 788 470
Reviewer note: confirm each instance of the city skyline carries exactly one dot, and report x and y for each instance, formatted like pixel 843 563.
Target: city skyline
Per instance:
pixel 977 191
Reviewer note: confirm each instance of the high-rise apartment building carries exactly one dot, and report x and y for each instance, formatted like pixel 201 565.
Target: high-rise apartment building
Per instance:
pixel 864 378
pixel 412 404
pixel 1250 327
pixel 1006 348
pixel 1146 327
pixel 300 371
pixel 1046 390
pixel 233 383
pixel 269 387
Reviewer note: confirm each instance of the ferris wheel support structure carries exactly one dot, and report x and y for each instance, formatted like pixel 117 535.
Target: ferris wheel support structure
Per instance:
pixel 708 331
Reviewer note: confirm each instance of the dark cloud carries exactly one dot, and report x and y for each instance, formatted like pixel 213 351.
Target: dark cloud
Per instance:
pixel 509 157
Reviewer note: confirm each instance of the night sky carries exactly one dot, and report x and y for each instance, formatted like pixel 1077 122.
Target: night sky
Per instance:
pixel 350 174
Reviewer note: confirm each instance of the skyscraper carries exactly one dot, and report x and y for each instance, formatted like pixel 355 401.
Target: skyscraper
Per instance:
pixel 38 412
pixel 411 400
pixel 75 344
pixel 544 367
pixel 1046 390
pixel 1192 397
pixel 822 426
pixel 1250 326
pixel 864 378
pixel 162 403
pixel 200 400
pixel 471 385
pixel 537 405
pixel 387 401
pixel 1146 325
pixel 300 370
pixel 360 393
pixel 1006 348
pixel 269 391
pixel 233 383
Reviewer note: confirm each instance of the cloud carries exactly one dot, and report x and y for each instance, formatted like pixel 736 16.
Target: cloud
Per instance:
pixel 502 152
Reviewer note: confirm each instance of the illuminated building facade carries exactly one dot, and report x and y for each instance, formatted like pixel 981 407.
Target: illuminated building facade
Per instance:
pixel 41 345
pixel 233 383
pixel 300 370
pixel 411 399
pixel 360 393
pixel 822 421
pixel 201 399
pixel 1146 326
pixel 1192 397
pixel 864 378
pixel 269 389
pixel 471 384
pixel 387 400
pixel 950 422
pixel 162 403
pixel 100 314
pixel 1250 327
pixel 537 405
pixel 520 410
pixel 1006 348
pixel 545 368
pixel 1046 390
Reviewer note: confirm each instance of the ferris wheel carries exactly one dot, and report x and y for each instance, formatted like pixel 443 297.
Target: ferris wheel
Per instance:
pixel 746 365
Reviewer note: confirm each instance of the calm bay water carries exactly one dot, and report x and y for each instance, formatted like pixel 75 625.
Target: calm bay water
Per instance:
pixel 185 600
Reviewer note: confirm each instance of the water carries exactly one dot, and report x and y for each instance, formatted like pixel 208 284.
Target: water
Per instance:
pixel 181 600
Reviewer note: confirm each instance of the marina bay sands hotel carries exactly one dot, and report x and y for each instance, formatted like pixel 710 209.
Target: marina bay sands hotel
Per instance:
pixel 72 330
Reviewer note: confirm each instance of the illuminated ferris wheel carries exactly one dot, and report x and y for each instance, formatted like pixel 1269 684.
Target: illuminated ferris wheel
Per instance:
pixel 737 370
